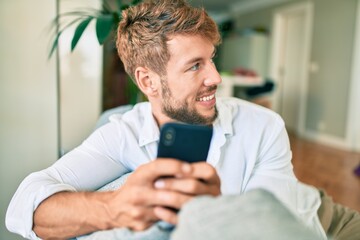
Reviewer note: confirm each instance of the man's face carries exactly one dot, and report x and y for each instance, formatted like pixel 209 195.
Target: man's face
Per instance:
pixel 188 90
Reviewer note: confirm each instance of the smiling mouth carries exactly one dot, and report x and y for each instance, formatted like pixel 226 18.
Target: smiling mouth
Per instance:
pixel 206 98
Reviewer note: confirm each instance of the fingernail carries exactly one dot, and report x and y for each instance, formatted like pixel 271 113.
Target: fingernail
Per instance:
pixel 159 184
pixel 186 168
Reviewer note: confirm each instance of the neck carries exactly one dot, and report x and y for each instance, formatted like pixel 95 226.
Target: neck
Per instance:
pixel 159 116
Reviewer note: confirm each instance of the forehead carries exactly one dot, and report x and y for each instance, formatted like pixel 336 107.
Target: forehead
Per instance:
pixel 184 47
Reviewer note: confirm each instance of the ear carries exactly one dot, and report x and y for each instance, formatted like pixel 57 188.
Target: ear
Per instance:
pixel 147 81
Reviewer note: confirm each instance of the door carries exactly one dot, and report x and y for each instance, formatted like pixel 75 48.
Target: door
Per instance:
pixel 292 28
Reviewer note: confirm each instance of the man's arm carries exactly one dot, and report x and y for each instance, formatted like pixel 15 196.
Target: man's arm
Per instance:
pixel 137 205
pixel 86 168
pixel 69 214
pixel 274 172
pixel 273 169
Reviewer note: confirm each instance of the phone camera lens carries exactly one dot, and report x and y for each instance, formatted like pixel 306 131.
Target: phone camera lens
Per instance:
pixel 169 137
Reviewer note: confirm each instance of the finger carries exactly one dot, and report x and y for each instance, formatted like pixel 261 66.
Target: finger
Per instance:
pixel 140 225
pixel 188 186
pixel 153 197
pixel 205 172
pixel 145 214
pixel 192 187
pixel 138 218
pixel 170 199
pixel 163 167
pixel 166 215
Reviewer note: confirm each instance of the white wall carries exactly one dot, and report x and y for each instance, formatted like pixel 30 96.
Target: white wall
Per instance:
pixel 329 87
pixel 28 139
pixel 80 77
pixel 28 102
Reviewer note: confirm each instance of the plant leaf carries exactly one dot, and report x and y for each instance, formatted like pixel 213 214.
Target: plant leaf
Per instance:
pixel 58 30
pixel 79 31
pixel 135 2
pixel 54 45
pixel 104 25
pixel 124 6
pixel 116 18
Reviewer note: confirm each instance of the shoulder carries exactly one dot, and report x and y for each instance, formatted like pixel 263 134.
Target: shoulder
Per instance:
pixel 247 112
pixel 124 120
pixel 132 115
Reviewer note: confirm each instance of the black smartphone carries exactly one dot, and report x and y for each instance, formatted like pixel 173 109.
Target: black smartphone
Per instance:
pixel 185 142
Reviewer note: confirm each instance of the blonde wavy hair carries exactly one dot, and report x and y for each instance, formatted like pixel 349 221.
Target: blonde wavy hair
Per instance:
pixel 144 30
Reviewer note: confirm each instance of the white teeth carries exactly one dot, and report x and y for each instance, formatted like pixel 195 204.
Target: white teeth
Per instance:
pixel 208 98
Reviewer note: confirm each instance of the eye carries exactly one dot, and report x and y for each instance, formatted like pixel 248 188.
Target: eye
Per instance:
pixel 195 67
pixel 212 58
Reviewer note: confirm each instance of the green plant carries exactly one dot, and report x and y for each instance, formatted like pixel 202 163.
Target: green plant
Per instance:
pixel 106 19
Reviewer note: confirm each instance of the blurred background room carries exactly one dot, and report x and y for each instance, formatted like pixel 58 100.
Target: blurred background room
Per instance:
pixel 300 58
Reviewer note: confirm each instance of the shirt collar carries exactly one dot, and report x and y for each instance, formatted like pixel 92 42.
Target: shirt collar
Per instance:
pixel 224 120
pixel 222 129
pixel 150 131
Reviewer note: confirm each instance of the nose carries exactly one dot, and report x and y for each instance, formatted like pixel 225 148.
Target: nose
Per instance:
pixel 212 75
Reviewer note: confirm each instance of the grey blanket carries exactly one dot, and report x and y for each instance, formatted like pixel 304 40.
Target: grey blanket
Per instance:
pixel 253 215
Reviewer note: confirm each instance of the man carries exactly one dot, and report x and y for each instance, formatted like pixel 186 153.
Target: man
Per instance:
pixel 167 47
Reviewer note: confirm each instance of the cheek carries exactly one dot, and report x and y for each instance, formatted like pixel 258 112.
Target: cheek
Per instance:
pixel 185 88
pixel 188 93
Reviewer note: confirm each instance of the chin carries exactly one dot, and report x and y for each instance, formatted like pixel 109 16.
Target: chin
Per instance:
pixel 209 114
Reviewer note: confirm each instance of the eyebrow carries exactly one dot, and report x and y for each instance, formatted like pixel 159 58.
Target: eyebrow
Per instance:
pixel 197 59
pixel 193 60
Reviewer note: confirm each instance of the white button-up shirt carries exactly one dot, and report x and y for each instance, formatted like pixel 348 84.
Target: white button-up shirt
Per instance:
pixel 249 149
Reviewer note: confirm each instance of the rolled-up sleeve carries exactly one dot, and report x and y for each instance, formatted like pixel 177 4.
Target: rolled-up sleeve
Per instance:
pixel 32 191
pixel 88 167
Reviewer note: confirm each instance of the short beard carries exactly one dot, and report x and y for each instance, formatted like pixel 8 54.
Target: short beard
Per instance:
pixel 182 113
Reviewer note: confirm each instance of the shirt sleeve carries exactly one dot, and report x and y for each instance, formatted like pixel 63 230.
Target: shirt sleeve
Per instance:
pixel 273 171
pixel 88 167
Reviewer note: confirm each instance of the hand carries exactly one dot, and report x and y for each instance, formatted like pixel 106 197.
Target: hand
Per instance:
pixel 134 205
pixel 201 179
